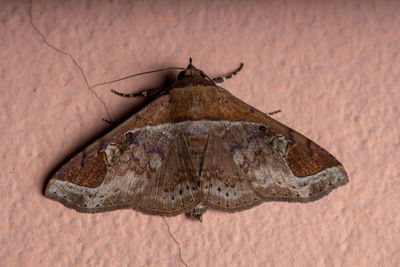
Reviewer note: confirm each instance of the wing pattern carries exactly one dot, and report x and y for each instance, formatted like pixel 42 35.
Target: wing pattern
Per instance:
pixel 170 168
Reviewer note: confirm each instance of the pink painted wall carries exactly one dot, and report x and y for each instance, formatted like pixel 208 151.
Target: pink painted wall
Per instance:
pixel 333 67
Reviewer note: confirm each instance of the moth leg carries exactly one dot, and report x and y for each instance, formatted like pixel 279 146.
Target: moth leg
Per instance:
pixel 274 112
pixel 230 75
pixel 197 212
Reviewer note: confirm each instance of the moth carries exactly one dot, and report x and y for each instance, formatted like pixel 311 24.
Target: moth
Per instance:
pixel 195 146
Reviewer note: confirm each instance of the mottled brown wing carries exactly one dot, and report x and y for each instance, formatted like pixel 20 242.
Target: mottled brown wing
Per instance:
pixel 83 183
pixel 280 163
pixel 225 185
pixel 147 168
pixel 261 158
pixel 175 187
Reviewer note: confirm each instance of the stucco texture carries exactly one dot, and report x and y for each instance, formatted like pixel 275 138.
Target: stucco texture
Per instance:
pixel 332 67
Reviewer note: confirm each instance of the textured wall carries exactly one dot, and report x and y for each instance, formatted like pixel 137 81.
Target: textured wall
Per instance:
pixel 333 67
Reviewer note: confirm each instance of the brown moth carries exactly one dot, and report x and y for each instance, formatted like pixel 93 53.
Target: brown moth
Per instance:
pixel 195 146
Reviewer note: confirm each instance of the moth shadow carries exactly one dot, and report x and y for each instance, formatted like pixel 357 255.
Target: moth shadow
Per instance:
pixel 169 79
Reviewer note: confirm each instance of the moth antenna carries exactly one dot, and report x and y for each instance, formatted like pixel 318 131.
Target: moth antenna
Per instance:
pixel 143 93
pixel 153 92
pixel 137 74
pixel 230 75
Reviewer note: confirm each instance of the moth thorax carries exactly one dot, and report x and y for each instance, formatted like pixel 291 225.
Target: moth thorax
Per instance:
pixel 191 71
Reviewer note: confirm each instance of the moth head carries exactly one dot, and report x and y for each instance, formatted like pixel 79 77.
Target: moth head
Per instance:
pixel 192 72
